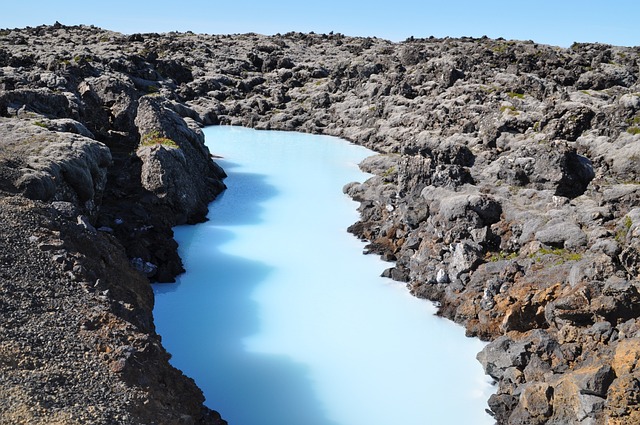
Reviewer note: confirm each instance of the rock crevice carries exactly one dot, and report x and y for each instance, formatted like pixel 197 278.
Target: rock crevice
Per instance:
pixel 506 190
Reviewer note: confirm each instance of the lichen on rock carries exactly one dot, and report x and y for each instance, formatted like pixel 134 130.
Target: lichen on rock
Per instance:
pixel 505 190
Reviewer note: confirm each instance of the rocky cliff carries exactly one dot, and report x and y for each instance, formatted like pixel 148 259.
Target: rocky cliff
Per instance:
pixel 505 191
pixel 95 169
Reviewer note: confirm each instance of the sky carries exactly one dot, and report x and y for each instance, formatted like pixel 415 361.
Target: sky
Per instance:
pixel 555 22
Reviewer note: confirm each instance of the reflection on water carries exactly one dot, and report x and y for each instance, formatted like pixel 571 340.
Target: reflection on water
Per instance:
pixel 282 321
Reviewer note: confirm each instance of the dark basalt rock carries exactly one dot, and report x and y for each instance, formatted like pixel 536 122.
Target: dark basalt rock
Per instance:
pixel 505 190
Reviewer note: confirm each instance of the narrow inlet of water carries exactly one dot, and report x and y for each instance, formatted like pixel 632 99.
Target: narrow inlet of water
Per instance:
pixel 281 320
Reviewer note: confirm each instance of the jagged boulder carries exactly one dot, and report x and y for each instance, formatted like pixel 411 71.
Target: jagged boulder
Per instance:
pixel 41 101
pixel 55 166
pixel 176 165
pixel 607 75
pixel 543 166
pixel 111 102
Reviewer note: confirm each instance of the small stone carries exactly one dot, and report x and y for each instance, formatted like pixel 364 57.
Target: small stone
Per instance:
pixel 144 267
pixel 52 244
pixel 83 222
pixel 442 276
pixel 466 256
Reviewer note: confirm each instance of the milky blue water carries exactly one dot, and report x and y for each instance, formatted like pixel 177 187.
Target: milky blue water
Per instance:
pixel 281 320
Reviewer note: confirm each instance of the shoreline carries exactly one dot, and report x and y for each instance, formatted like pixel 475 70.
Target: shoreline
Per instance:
pixel 506 190
pixel 260 322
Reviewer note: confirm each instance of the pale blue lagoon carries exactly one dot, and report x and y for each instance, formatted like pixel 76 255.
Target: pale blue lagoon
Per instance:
pixel 281 320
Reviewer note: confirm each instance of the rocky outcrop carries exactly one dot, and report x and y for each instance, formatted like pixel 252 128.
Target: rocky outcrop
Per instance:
pixel 505 191
pixel 78 341
pixel 51 165
pixel 82 225
pixel 176 165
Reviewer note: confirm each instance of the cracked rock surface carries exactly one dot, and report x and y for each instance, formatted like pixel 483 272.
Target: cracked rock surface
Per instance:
pixel 506 189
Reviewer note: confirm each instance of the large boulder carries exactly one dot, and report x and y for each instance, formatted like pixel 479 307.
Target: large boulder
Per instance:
pixel 41 101
pixel 110 102
pixel 54 166
pixel 543 166
pixel 176 165
pixel 607 75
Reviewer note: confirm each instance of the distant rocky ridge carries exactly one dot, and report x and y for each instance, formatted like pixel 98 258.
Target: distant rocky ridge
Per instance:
pixel 506 191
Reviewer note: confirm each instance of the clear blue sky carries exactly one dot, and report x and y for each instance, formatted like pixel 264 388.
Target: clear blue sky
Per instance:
pixel 557 22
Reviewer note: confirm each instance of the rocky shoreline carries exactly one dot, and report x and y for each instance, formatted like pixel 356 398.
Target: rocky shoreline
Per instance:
pixel 505 191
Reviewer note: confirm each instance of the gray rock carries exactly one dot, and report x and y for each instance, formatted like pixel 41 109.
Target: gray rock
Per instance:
pixel 595 383
pixel 381 165
pixel 453 206
pixel 57 166
pixel 67 209
pixel 465 257
pixel 544 166
pixel 71 126
pixel 607 246
pixel 563 234
pixel 144 267
pixel 608 75
pixel 42 101
pixel 630 101
pixel 442 276
pixel 501 354
pixel 589 406
pixel 175 161
pixel 84 222
pixel 503 139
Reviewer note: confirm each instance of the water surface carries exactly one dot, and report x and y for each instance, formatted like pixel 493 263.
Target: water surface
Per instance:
pixel 281 320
